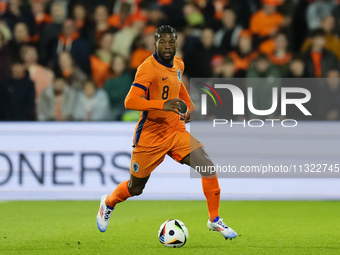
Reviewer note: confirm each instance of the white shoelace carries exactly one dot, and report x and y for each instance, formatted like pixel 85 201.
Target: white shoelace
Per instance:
pixel 107 213
pixel 221 223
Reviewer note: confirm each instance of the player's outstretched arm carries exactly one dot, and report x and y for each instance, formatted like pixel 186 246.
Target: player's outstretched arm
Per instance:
pixel 135 101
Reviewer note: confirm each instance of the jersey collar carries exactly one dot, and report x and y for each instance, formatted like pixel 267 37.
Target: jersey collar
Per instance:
pixel 161 62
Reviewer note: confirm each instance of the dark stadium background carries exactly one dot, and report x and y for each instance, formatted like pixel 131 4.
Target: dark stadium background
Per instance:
pixel 66 138
pixel 48 46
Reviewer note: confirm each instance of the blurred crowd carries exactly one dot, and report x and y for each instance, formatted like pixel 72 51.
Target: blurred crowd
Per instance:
pixel 75 60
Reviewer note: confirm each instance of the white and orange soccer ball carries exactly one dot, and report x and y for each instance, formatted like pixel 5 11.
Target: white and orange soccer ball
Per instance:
pixel 173 233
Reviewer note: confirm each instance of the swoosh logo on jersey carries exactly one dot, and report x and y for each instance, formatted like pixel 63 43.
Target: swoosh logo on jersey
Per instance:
pixel 163 79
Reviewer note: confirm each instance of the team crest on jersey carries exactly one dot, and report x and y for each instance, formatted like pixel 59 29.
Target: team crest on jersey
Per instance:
pixel 135 167
pixel 179 75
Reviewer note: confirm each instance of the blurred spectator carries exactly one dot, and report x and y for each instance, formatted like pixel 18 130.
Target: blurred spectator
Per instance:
pixel 140 12
pixel 332 41
pixel 244 10
pixel 262 68
pixel 15 13
pixel 336 15
pixel 198 60
pixel 297 69
pixel 101 15
pixel 243 54
pixel 193 15
pixel 18 95
pixel 180 44
pixel 228 70
pixel 92 104
pixel 217 65
pixel 3 6
pixel 155 15
pixel 173 11
pixel 40 16
pixel 101 60
pixel 228 73
pixel 269 46
pixel 90 3
pixel 118 86
pixel 265 22
pixel 318 60
pixel 140 54
pixel 5 59
pixel 289 7
pixel 70 72
pixel 263 88
pixel 51 31
pixel 330 94
pixel 21 37
pixel 212 11
pixel 56 102
pixel 121 19
pixel 317 11
pixel 124 38
pixel 41 76
pixel 5 31
pixel 85 45
pixel 70 41
pixel 80 16
pixel 227 37
pixel 280 56
pixel 134 6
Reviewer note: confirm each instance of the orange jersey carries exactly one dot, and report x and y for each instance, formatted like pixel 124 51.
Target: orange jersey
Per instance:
pixel 156 82
pixel 263 24
pixel 138 57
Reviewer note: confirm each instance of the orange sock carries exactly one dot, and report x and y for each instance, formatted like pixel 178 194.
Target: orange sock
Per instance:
pixel 120 194
pixel 211 190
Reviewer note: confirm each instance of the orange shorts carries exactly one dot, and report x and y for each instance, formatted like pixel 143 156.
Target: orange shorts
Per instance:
pixel 145 159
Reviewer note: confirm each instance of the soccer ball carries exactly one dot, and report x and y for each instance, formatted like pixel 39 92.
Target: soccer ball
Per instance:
pixel 173 233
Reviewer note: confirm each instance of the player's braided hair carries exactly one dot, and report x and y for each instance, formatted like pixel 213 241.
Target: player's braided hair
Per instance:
pixel 165 29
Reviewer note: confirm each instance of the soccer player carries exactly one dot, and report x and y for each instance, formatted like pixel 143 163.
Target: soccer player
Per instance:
pixel 157 91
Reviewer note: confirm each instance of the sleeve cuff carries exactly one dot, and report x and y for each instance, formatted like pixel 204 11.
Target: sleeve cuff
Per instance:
pixel 139 86
pixel 161 105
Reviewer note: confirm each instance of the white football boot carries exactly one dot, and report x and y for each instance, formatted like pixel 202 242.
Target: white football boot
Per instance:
pixel 220 226
pixel 104 214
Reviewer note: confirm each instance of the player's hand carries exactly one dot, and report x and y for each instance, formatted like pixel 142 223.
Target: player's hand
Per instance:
pixel 172 105
pixel 187 117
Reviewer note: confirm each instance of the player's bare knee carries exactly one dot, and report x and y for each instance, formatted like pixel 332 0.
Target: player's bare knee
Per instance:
pixel 203 160
pixel 200 158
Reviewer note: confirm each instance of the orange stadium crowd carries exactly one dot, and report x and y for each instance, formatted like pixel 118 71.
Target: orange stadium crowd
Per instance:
pixel 68 60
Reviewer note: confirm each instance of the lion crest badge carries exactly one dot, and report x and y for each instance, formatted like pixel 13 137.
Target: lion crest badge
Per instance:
pixel 135 167
pixel 179 73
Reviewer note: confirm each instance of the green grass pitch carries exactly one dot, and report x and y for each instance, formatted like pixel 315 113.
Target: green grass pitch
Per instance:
pixel 264 227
